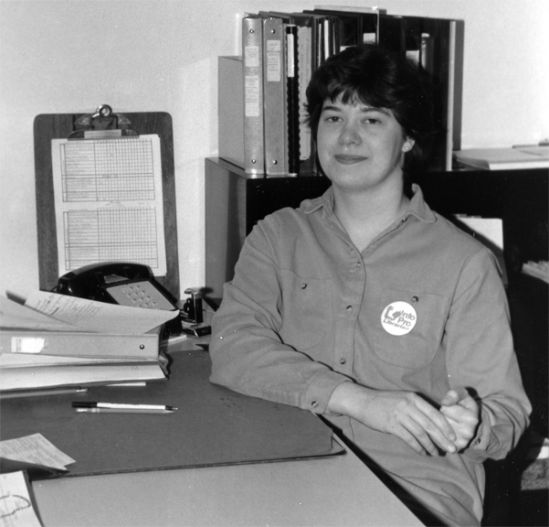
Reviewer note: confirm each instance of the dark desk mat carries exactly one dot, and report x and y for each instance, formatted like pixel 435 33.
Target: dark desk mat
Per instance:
pixel 213 426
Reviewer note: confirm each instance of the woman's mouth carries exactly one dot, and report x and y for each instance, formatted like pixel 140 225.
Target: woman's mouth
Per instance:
pixel 349 159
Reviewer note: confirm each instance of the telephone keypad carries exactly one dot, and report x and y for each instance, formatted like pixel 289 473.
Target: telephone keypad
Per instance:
pixel 139 294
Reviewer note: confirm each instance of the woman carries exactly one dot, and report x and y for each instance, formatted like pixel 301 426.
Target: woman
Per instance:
pixel 368 308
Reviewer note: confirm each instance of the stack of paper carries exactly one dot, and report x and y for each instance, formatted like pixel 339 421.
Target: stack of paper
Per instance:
pixel 51 340
pixel 504 158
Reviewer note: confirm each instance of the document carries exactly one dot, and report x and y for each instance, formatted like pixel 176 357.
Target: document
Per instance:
pixel 17 315
pixel 35 449
pixel 100 317
pixel 16 504
pixel 108 201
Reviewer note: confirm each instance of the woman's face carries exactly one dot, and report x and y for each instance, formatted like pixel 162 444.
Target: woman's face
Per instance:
pixel 359 146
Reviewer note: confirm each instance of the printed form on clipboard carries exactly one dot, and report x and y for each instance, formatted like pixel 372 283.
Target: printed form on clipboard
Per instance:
pixel 108 201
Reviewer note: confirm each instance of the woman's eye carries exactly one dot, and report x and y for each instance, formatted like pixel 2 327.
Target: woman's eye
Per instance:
pixel 332 118
pixel 372 120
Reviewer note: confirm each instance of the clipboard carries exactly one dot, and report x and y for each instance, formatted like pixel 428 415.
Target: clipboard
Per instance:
pixel 101 125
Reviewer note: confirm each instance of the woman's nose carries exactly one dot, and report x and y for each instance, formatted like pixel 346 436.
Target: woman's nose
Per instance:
pixel 349 135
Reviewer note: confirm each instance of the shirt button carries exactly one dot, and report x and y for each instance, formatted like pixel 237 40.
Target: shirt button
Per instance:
pixel 349 308
pixel 342 360
pixel 314 404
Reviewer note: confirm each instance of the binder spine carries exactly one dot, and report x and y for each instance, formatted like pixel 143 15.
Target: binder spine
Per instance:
pixel 304 71
pixel 252 54
pixel 274 89
pixel 293 98
pixel 93 345
pixel 449 102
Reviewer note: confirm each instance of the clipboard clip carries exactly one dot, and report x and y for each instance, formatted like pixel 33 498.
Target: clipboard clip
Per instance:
pixel 102 124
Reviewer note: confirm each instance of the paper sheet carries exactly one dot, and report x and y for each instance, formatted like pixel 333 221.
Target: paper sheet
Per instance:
pixel 35 448
pixel 16 507
pixel 90 315
pixel 16 315
pixel 108 202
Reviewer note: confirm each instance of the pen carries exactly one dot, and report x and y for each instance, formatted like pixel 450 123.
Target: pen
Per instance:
pixel 102 407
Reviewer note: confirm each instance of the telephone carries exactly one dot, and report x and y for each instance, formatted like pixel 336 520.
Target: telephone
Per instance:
pixel 125 283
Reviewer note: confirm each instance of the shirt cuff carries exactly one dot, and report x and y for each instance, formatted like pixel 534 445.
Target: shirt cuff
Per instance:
pixel 478 448
pixel 320 390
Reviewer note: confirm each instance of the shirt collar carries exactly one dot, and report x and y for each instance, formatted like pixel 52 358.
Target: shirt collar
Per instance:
pixel 417 207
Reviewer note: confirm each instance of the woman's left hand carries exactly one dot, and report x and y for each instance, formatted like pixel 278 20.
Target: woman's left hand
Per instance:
pixel 463 413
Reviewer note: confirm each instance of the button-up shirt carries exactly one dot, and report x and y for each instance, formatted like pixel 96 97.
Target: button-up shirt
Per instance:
pixel 422 308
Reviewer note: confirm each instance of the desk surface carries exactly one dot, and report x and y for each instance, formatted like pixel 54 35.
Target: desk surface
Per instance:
pixel 310 487
pixel 333 491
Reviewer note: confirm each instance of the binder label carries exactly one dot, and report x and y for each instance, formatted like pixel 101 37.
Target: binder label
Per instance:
pixel 274 62
pixel 251 96
pixel 27 344
pixel 251 57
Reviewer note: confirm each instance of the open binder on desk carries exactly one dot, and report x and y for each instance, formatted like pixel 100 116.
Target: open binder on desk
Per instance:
pixel 57 341
pixel 105 191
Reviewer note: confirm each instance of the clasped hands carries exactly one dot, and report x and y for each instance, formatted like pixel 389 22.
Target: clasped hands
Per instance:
pixel 425 428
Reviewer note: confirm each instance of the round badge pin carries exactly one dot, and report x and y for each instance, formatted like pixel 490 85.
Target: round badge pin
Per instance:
pixel 398 318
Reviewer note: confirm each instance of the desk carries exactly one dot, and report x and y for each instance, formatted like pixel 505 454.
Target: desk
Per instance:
pixel 308 485
pixel 338 491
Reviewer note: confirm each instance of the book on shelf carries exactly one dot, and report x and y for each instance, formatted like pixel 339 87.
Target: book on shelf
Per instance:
pixel 292 98
pixel 252 87
pixel 232 140
pixel 54 340
pixel 504 158
pixel 274 94
pixel 353 27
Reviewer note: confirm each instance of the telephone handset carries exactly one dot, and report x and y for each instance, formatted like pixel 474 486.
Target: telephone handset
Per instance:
pixel 128 284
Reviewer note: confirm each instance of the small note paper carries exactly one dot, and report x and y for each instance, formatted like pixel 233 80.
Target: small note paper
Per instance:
pixel 33 450
pixel 16 504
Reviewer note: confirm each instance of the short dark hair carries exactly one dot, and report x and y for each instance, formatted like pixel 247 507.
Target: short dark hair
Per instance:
pixel 379 78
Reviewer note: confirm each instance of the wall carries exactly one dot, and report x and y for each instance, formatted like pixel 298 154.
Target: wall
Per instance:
pixel 62 56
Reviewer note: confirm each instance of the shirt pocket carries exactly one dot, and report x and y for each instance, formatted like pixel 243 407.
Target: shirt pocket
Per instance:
pixel 306 306
pixel 407 326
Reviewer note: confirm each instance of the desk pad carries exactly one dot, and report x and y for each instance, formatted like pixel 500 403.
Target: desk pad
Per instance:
pixel 212 426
